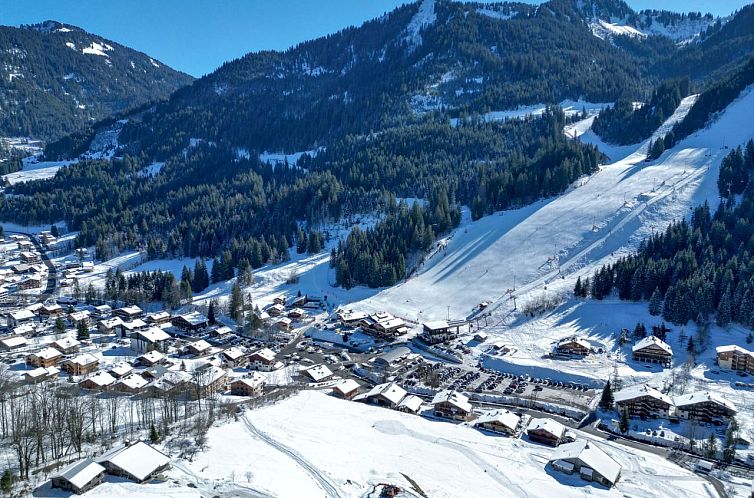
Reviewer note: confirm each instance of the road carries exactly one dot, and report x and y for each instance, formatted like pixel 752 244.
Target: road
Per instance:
pixel 52 272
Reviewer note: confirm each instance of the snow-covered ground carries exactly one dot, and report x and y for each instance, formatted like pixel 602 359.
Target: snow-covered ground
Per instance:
pixel 36 170
pixel 316 445
pixel 570 107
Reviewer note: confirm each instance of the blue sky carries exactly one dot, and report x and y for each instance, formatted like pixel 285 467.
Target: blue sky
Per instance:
pixel 196 36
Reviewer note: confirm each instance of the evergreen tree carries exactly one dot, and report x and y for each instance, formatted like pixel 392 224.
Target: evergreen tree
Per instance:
pixel 211 313
pixel 253 322
pixel 217 275
pixel 624 421
pixel 607 399
pixel 731 440
pixel 59 326
pixel 154 437
pixel 235 307
pixel 655 303
pixel 82 331
pixel 710 447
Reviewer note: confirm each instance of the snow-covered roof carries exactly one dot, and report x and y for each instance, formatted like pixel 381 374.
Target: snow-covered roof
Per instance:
pixel 137 323
pixel 548 425
pixel 13 342
pixel 208 375
pixel 130 310
pixel 48 354
pixel 133 381
pixel 733 348
pixel 454 398
pixel 139 460
pixel 81 473
pixel 346 386
pixel 641 390
pixel 154 334
pixel 651 340
pixel 79 315
pixel 101 379
pixel 21 315
pixel 41 372
pixel 265 353
pixel 390 391
pixel 702 397
pixel 505 417
pixel 590 455
pixel 111 322
pixel 84 359
pixel 411 402
pixel 194 318
pixel 574 340
pixel 436 325
pixel 394 355
pixel 153 356
pixel 66 343
pixel 121 369
pixel 318 372
pixel 233 353
pixel 351 316
pixel 201 345
pixel 255 380
pixel 222 330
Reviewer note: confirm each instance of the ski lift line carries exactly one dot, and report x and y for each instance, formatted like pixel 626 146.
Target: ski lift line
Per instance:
pixel 570 261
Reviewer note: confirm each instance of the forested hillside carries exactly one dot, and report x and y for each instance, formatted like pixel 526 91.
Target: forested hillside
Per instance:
pixel 56 78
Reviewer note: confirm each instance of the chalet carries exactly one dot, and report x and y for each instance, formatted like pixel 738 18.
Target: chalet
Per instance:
pixel 158 318
pixel 296 314
pixel 297 301
pixel 98 382
pixel 82 364
pixel 346 389
pixel 437 332
pixel 26 329
pixel 318 373
pixel 351 318
pixel 546 431
pixel 735 358
pixel 452 405
pixel 41 374
pixel 190 322
pixel 389 395
pixel 130 384
pixel 151 339
pixel 499 421
pixel 87 266
pixel 703 406
pixel 3 293
pixel 21 269
pixel 393 358
pixel 234 357
pixel 127 329
pixel 29 257
pixel 384 326
pixel 13 343
pixel 643 402
pixel 48 357
pixel 199 347
pixel 109 326
pixel 480 336
pixel 120 370
pixel 586 458
pixel 279 300
pixel 166 381
pixel 276 309
pixel 67 345
pixel 248 386
pixel 284 323
pixel 128 313
pixel 24 244
pixel 138 462
pixel 53 309
pixel 263 360
pixel 221 332
pixel 102 311
pixel 207 380
pixel 78 317
pixel 410 404
pixel 16 318
pixel 151 358
pixel 652 349
pixel 573 346
pixel 79 477
pixel 32 282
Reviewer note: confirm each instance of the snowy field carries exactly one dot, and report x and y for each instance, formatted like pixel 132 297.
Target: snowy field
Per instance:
pixel 41 170
pixel 316 445
pixel 570 107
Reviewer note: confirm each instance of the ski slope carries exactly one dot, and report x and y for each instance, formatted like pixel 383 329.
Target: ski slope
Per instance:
pixel 600 217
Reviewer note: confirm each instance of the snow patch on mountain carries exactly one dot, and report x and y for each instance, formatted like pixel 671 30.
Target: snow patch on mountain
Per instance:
pixel 604 30
pixel 97 49
pixel 682 32
pixel 426 16
pixel 497 14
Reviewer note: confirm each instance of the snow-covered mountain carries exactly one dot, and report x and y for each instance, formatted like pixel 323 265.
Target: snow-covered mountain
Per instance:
pixel 56 78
